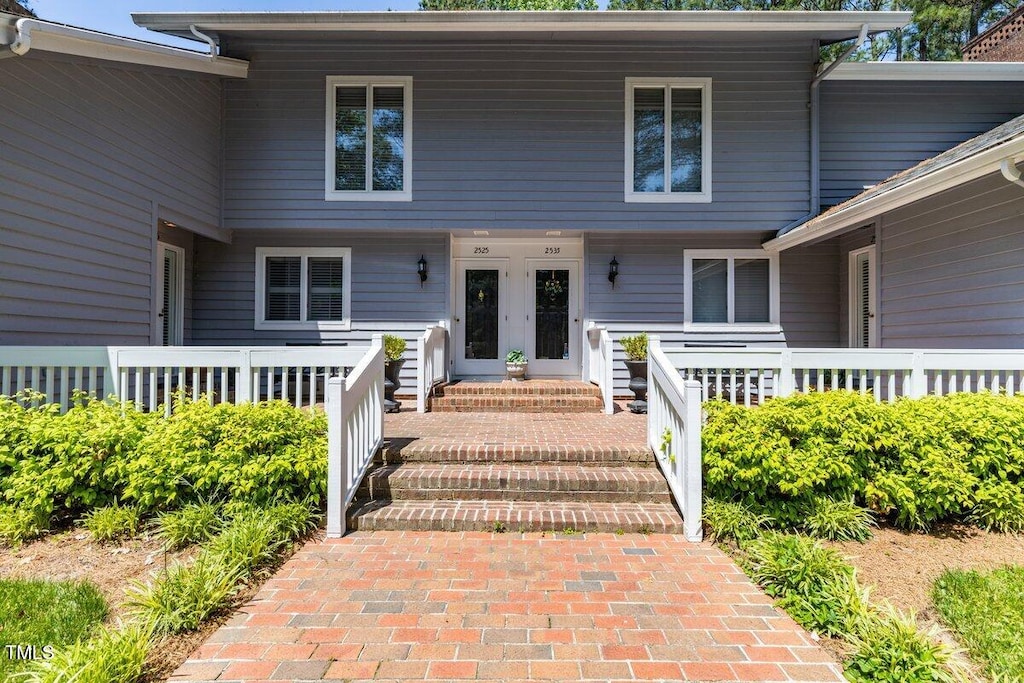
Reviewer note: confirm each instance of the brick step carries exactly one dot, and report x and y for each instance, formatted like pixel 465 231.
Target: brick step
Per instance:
pixel 508 403
pixel 514 516
pixel 537 483
pixel 437 450
pixel 533 387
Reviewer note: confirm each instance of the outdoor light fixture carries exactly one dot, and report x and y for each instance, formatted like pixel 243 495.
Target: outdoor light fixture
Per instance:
pixel 421 269
pixel 613 271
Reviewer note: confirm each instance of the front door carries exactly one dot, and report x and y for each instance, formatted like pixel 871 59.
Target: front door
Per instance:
pixel 481 316
pixel 552 317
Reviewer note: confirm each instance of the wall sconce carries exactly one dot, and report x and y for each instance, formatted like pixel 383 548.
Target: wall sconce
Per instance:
pixel 613 271
pixel 421 270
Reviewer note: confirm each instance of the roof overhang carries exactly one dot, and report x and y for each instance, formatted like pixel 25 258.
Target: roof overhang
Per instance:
pixel 826 26
pixel 859 213
pixel 928 71
pixel 22 34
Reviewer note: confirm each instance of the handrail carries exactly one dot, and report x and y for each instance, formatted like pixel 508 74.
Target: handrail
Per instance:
pixel 600 367
pixel 355 431
pixel 432 367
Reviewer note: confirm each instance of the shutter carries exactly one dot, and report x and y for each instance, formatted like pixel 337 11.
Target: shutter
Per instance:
pixel 326 291
pixel 283 287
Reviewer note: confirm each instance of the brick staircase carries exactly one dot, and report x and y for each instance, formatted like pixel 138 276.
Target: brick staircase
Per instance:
pixel 565 469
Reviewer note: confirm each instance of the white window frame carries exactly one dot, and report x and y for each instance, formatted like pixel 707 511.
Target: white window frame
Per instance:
pixel 772 326
pixel 262 253
pixel 854 285
pixel 704 196
pixel 369 194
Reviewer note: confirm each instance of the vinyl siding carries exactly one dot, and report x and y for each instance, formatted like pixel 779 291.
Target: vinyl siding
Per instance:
pixel 88 149
pixel 852 241
pixel 186 240
pixel 870 131
pixel 952 269
pixel 810 278
pixel 519 136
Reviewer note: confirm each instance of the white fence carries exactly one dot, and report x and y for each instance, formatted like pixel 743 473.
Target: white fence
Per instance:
pixel 599 365
pixel 431 352
pixel 673 433
pixel 355 431
pixel 751 375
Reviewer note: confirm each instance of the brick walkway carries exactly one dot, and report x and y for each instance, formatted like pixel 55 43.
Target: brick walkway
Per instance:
pixel 446 606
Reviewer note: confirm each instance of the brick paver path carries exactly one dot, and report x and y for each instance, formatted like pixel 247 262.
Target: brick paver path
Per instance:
pixel 449 606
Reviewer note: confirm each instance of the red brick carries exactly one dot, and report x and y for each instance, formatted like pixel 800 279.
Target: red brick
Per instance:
pixel 657 670
pixel 452 670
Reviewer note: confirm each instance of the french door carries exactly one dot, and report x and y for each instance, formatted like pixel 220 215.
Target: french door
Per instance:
pixel 170 293
pixel 863 299
pixel 552 317
pixel 481 316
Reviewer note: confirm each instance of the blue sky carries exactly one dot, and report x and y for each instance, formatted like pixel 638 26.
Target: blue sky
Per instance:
pixel 114 16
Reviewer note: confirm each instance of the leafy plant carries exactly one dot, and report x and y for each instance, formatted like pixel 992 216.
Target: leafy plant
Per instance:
pixel 18 525
pixel 515 356
pixel 186 595
pixel 999 505
pixel 635 346
pixel 193 523
pixel 114 655
pixel 731 520
pixel 112 522
pixel 394 347
pixel 838 520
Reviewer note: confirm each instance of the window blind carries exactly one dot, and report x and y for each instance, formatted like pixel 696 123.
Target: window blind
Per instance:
pixel 283 287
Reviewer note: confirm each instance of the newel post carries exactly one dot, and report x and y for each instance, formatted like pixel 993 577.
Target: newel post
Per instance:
pixel 693 482
pixel 787 375
pixel 337 459
pixel 918 376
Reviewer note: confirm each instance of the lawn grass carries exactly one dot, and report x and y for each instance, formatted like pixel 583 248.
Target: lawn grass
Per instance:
pixel 986 610
pixel 40 613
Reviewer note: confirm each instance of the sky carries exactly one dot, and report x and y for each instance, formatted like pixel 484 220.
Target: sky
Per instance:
pixel 114 16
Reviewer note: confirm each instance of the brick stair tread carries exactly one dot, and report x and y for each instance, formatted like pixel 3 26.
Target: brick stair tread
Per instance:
pixel 515 516
pixel 527 388
pixel 439 450
pixel 498 403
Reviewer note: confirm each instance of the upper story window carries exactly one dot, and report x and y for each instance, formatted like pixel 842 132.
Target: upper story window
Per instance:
pixel 738 287
pixel 668 140
pixel 299 289
pixel 369 138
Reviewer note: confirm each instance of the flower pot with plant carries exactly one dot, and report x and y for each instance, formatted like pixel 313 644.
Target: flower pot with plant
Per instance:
pixel 515 365
pixel 394 348
pixel 636 362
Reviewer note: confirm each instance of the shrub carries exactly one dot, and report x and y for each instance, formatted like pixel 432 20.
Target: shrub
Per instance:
pixel 730 520
pixel 20 524
pixel 112 522
pixel 635 346
pixel 999 506
pixel 185 595
pixel 838 520
pixel 394 347
pixel 193 523
pixel 113 655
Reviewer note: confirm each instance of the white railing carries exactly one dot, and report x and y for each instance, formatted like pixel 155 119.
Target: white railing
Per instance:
pixel 355 431
pixel 433 363
pixel 599 366
pixel 751 375
pixel 57 372
pixel 673 433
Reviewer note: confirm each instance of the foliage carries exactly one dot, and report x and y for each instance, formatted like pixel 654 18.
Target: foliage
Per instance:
pixel 20 524
pixel 986 610
pixel 39 613
pixel 193 523
pixel 838 520
pixel 112 522
pixel 732 520
pixel 113 655
pixel 515 356
pixel 635 346
pixel 394 347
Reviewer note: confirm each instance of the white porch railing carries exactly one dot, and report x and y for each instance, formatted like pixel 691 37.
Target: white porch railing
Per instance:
pixel 599 365
pixel 673 433
pixel 433 366
pixel 751 375
pixel 355 431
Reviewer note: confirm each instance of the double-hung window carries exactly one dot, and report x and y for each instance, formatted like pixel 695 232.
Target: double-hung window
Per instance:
pixel 735 288
pixel 299 289
pixel 369 138
pixel 668 140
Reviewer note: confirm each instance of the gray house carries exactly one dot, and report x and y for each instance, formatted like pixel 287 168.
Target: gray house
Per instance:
pixel 521 177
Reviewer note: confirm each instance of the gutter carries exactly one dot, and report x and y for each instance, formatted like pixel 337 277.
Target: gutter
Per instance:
pixel 1010 171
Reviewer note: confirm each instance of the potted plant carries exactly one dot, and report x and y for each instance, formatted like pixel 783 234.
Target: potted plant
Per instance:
pixel 515 365
pixel 394 348
pixel 636 362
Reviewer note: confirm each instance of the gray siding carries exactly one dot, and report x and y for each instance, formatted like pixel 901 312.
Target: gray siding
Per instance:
pixel 952 269
pixel 870 131
pixel 186 240
pixel 88 149
pixel 518 135
pixel 859 238
pixel 810 293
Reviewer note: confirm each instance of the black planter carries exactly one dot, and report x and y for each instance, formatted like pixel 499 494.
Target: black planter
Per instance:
pixel 638 385
pixel 392 368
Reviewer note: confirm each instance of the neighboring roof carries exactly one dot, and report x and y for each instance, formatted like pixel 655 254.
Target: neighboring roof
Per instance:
pixel 1002 41
pixel 15 8
pixel 19 35
pixel 827 26
pixel 968 161
pixel 928 71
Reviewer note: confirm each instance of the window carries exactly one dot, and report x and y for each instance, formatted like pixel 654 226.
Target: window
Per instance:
pixel 734 288
pixel 299 289
pixel 369 138
pixel 668 140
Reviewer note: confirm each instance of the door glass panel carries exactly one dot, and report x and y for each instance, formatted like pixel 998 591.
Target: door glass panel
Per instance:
pixel 481 314
pixel 551 314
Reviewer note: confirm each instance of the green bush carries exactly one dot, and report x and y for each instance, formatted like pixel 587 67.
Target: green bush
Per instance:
pixel 730 520
pixel 838 520
pixel 193 523
pixel 113 655
pixel 394 347
pixel 112 522
pixel 635 346
pixel 18 525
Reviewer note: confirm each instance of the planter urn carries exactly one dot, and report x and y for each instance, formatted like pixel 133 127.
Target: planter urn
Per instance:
pixel 392 368
pixel 638 385
pixel 515 371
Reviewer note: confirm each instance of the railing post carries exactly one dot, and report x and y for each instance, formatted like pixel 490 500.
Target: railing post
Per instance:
pixel 787 375
pixel 608 365
pixel 111 375
pixel 918 376
pixel 243 381
pixel 422 380
pixel 653 349
pixel 693 481
pixel 337 458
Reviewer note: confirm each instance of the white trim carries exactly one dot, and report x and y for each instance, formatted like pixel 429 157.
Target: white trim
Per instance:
pixel 344 325
pixel 927 71
pixel 368 195
pixel 178 314
pixel 853 288
pixel 667 195
pixel 772 325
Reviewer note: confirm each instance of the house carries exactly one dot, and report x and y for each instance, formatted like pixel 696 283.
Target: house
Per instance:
pixel 520 176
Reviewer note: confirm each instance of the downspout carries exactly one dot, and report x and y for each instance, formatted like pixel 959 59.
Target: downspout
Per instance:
pixel 1011 172
pixel 209 41
pixel 815 124
pixel 22 42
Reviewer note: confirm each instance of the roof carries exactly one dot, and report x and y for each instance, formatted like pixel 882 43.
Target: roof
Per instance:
pixel 967 161
pixel 826 26
pixel 928 71
pixel 14 7
pixel 23 34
